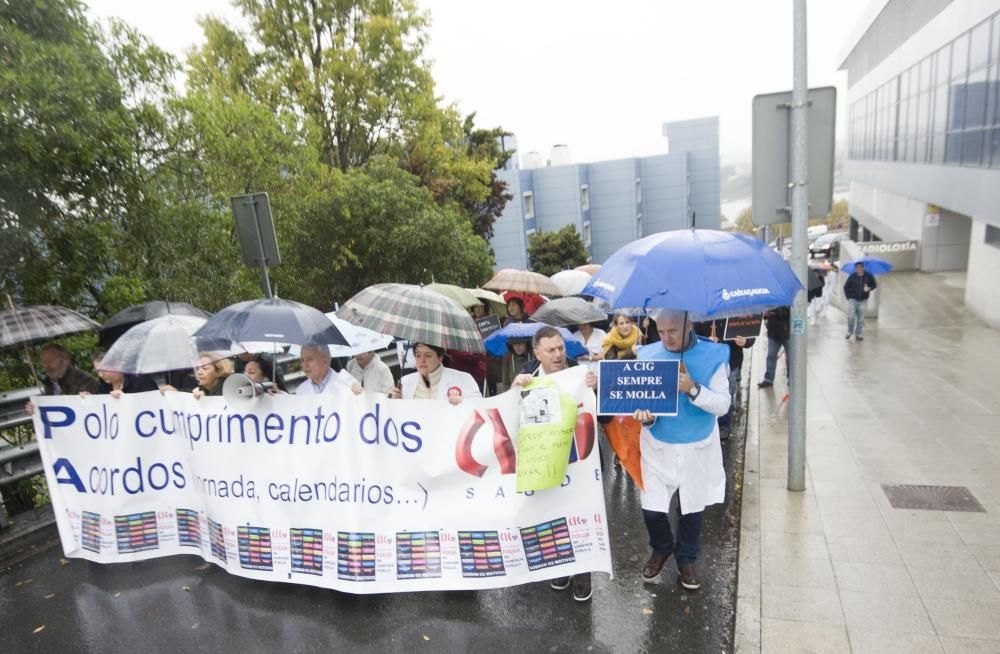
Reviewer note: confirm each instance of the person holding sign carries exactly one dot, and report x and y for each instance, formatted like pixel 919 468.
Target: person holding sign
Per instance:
pixel 550 358
pixel 433 381
pixel 681 453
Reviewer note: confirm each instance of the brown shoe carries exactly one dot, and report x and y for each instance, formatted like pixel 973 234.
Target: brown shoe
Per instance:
pixel 654 565
pixel 688 578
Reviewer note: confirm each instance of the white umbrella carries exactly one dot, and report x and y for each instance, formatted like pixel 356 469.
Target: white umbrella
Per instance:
pixel 161 344
pixel 359 339
pixel 570 282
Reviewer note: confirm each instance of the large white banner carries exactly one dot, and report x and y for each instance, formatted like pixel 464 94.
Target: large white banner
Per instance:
pixel 356 493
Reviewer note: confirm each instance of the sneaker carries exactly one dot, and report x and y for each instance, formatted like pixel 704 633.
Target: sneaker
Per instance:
pixel 654 565
pixel 582 591
pixel 859 337
pixel 767 383
pixel 724 434
pixel 848 337
pixel 688 578
pixel 562 583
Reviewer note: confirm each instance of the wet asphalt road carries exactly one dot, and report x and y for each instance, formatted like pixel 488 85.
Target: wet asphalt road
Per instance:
pixel 182 603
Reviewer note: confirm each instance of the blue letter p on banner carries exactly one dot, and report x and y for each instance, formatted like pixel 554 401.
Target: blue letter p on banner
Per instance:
pixel 68 418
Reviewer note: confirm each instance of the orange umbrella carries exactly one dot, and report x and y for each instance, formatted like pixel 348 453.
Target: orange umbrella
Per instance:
pixel 590 268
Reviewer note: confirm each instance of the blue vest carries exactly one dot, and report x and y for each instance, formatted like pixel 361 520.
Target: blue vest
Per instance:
pixel 702 360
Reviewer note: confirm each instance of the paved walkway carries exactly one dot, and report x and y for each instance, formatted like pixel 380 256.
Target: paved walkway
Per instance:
pixel 837 568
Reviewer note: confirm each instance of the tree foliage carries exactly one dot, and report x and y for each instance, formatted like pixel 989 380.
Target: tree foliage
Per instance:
pixel 550 252
pixel 115 187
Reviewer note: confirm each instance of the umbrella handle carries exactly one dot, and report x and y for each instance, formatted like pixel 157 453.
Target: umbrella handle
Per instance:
pixel 31 364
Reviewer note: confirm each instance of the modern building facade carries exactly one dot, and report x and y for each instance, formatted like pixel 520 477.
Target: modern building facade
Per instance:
pixel 612 202
pixel 923 156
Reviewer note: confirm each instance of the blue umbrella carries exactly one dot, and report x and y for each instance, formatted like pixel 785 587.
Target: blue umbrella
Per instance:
pixel 705 272
pixel 496 343
pixel 874 265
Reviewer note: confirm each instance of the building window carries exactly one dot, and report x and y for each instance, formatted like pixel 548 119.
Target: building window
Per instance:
pixel 529 204
pixel 586 234
pixel 584 198
pixel 992 236
pixel 638 225
pixel 638 190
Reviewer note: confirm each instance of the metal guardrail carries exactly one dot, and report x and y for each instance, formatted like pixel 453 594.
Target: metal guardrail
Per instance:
pixel 22 461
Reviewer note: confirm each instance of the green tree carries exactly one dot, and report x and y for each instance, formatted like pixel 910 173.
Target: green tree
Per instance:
pixel 744 221
pixel 393 231
pixel 550 252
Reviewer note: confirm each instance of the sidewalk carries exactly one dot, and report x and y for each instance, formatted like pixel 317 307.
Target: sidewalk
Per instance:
pixel 837 568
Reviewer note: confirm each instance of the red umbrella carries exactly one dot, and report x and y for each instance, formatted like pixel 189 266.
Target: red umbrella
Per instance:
pixel 530 300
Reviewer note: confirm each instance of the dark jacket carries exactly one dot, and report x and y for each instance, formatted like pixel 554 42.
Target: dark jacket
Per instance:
pixel 778 323
pixel 854 287
pixel 73 382
pixel 735 351
pixel 133 384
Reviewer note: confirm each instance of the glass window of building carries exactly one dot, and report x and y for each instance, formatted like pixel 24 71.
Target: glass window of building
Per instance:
pixel 584 198
pixel 529 204
pixel 979 46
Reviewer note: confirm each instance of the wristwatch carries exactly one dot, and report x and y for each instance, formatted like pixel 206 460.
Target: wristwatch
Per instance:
pixel 695 390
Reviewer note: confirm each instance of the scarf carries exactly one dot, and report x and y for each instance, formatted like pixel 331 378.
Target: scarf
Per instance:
pixel 622 343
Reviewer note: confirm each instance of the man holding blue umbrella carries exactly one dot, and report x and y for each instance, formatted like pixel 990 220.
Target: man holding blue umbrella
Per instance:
pixel 857 288
pixel 682 453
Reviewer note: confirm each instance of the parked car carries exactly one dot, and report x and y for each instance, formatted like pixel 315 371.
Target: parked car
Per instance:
pixel 827 245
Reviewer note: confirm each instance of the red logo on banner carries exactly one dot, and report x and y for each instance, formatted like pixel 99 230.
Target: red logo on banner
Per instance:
pixel 584 438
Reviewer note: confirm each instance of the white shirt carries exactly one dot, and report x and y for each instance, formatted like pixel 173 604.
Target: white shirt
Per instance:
pixel 375 377
pixel 450 378
pixel 692 469
pixel 331 383
pixel 594 344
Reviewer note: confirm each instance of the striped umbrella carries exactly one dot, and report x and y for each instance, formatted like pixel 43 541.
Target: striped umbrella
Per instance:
pixel 522 281
pixel 414 313
pixel 40 323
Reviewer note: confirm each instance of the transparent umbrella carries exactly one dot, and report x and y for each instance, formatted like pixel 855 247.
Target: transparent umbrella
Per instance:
pixel 162 344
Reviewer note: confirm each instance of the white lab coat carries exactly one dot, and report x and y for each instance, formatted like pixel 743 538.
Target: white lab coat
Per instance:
pixel 693 469
pixel 449 378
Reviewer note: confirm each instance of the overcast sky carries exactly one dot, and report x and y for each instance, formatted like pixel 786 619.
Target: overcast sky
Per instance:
pixel 599 76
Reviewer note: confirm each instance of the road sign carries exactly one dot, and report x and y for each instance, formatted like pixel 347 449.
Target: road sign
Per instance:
pixel 771 162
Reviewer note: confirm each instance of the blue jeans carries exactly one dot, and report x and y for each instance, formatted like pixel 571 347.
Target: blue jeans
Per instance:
pixel 773 347
pixel 661 539
pixel 856 316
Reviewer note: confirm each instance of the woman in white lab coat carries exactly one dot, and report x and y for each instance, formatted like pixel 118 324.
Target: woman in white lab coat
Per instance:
pixel 434 381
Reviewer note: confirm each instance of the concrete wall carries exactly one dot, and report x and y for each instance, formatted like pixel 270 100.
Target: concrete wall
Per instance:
pixel 982 285
pixel 664 189
pixel 699 138
pixel 613 210
pixel 508 243
pixel 945 246
pixel 557 198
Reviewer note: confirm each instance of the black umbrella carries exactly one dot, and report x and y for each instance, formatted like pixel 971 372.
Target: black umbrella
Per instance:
pixel 273 320
pixel 125 319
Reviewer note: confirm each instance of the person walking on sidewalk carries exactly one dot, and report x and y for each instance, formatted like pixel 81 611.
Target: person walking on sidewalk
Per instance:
pixel 857 288
pixel 777 322
pixel 682 453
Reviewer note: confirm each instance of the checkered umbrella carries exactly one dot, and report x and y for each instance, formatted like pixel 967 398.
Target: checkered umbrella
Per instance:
pixel 522 281
pixel 40 323
pixel 414 313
